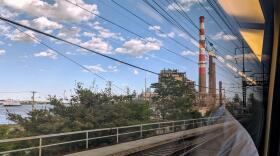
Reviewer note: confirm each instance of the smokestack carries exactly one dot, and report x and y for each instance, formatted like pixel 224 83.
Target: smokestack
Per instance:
pixel 202 74
pixel 220 93
pixel 212 77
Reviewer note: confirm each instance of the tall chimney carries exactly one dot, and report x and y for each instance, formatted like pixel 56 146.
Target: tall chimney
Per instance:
pixel 202 74
pixel 212 77
pixel 220 93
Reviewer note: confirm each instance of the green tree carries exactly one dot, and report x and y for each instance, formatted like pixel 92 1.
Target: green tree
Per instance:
pixel 174 99
pixel 87 110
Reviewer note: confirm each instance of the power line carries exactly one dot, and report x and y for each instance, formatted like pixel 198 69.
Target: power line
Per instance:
pixel 222 18
pixel 131 31
pixel 176 23
pixel 180 27
pixel 57 38
pixel 149 24
pixel 58 52
pixel 213 18
pixel 185 15
pixel 13 92
pixel 191 21
pixel 71 43
pixel 134 32
pixel 234 19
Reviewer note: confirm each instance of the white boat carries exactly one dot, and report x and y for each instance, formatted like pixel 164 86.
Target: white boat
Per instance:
pixel 11 102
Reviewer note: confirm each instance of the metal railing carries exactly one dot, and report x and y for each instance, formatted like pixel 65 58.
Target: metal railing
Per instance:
pixel 135 131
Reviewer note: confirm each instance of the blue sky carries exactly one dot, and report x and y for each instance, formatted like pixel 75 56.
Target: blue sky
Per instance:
pixel 26 65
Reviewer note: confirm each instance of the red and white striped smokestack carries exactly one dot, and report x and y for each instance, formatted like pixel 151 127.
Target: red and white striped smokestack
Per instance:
pixel 202 63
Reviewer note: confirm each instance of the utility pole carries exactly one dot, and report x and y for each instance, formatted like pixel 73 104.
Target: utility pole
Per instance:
pixel 109 88
pixel 127 90
pixel 244 83
pixel 33 99
pixel 145 88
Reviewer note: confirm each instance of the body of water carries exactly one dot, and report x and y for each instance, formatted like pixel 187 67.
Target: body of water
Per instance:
pixel 21 110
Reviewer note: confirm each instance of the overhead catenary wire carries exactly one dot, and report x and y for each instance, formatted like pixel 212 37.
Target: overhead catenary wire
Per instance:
pixel 60 39
pixel 122 27
pixel 188 19
pixel 13 92
pixel 127 29
pixel 212 17
pixel 243 74
pixel 236 21
pixel 169 19
pixel 149 24
pixel 191 21
pixel 77 45
pixel 223 17
pixel 117 24
pixel 186 16
pixel 63 55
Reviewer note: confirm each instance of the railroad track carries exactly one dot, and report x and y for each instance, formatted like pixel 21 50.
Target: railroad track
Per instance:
pixel 181 147
pixel 173 148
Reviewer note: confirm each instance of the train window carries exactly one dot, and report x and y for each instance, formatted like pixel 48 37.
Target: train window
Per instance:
pixel 171 77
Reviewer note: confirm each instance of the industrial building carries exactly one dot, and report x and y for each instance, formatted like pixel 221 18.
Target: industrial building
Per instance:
pixel 181 76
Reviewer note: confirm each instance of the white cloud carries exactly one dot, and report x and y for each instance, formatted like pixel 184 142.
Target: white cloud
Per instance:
pixel 74 40
pixel 247 57
pixel 194 42
pixel 229 57
pixel 89 34
pixel 135 72
pixel 158 32
pixel 98 45
pixel 95 68
pixel 42 23
pixel 70 53
pixel 186 37
pixel 2 52
pixel 139 47
pixel 70 34
pixel 59 10
pixel 220 58
pixel 184 4
pixel 113 68
pixel 106 33
pixel 48 53
pixel 155 27
pixel 222 36
pixel 4 28
pixel 188 53
pixel 7 13
pixel 19 36
pixel 98 68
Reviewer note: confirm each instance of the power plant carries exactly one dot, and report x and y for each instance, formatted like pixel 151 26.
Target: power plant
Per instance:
pixel 212 77
pixel 203 96
pixel 202 63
